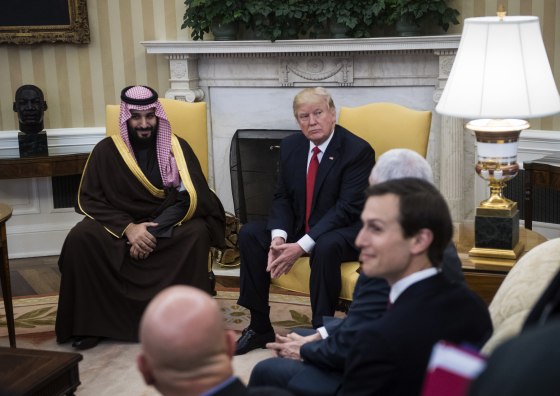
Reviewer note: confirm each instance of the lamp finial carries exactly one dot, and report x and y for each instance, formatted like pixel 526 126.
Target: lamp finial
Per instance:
pixel 501 11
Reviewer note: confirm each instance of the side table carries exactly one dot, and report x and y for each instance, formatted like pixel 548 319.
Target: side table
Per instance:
pixel 37 372
pixel 5 214
pixel 542 172
pixel 484 275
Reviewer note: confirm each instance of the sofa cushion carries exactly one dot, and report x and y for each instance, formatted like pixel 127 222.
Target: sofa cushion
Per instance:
pixel 520 290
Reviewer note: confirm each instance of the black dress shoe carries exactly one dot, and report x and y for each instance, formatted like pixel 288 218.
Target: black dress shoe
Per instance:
pixel 83 343
pixel 250 340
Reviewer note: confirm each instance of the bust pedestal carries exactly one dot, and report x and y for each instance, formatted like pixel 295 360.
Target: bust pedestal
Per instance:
pixel 33 144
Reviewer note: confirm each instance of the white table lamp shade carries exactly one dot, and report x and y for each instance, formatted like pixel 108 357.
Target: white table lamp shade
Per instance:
pixel 500 71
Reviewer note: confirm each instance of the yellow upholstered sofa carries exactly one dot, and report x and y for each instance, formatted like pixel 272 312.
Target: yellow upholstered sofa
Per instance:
pixel 385 126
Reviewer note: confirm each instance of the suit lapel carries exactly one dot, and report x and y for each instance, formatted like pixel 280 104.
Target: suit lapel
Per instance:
pixel 300 174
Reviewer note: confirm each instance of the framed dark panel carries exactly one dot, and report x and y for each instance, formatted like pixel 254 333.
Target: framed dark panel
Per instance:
pixel 44 21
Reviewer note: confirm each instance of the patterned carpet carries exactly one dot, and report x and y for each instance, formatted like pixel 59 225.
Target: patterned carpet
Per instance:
pixel 37 314
pixel 110 368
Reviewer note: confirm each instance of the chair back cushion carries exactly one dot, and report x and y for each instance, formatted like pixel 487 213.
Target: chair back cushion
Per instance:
pixel 520 290
pixel 388 125
pixel 188 120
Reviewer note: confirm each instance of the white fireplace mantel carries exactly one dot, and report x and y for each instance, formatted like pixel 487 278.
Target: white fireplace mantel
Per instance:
pixel 250 84
pixel 373 44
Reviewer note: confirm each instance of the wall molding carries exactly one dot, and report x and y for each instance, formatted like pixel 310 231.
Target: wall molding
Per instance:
pixel 36 228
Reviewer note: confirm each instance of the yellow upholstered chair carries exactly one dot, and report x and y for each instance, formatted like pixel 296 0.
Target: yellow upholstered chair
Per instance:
pixel 188 120
pixel 385 126
pixel 388 125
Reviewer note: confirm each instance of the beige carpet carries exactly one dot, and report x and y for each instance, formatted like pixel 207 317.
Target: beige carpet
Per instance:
pixel 110 368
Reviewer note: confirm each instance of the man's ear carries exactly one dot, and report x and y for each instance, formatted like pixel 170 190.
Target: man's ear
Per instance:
pixel 421 241
pixel 145 369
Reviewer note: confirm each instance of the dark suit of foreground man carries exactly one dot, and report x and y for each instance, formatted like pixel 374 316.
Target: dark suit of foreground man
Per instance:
pixel 325 227
pixel 307 364
pixel 150 219
pixel 406 227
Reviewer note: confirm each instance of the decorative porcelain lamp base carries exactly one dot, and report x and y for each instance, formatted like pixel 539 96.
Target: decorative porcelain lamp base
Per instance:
pixel 497 233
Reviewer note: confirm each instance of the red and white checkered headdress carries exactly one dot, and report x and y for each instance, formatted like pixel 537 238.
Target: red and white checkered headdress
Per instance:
pixel 144 98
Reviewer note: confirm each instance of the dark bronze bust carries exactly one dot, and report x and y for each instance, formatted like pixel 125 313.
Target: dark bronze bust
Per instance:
pixel 30 105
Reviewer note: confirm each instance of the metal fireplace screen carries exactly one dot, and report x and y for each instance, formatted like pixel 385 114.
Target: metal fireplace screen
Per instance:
pixel 253 159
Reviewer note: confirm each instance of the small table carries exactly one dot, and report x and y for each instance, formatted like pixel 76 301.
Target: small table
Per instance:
pixel 19 168
pixel 542 172
pixel 51 165
pixel 5 214
pixel 37 372
pixel 485 275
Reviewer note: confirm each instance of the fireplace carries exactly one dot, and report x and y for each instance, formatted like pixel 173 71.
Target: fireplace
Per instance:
pixel 254 170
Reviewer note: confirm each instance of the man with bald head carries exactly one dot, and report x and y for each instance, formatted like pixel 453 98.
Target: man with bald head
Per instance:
pixel 188 351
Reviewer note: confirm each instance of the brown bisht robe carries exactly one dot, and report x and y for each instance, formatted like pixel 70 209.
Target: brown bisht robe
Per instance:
pixel 103 290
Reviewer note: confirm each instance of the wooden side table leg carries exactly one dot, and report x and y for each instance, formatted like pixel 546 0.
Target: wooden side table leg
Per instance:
pixel 6 286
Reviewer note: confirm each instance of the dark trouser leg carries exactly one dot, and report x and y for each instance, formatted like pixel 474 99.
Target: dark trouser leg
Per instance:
pixel 275 372
pixel 325 282
pixel 254 242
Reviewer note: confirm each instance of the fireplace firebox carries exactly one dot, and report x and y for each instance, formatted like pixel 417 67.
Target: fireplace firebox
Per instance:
pixel 254 157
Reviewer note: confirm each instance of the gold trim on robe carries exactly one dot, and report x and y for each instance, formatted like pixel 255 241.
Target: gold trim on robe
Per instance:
pixel 177 153
pixel 184 174
pixel 131 163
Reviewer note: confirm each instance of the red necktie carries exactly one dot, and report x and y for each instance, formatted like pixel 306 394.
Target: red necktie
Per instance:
pixel 311 174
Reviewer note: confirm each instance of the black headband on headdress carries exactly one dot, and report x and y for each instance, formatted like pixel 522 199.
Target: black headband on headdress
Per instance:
pixel 139 102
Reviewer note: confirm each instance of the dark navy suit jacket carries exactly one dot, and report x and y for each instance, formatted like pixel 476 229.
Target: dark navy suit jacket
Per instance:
pixel 338 197
pixel 390 357
pixel 324 360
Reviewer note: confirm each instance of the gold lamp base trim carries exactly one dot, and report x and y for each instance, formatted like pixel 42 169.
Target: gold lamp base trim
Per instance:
pixel 497 211
pixel 504 254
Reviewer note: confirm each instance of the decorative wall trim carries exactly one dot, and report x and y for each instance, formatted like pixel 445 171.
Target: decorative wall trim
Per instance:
pixel 61 141
pixel 262 47
pixel 36 228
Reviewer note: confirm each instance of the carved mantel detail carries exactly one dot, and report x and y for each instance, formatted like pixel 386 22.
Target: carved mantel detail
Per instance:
pixel 318 70
pixel 183 71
